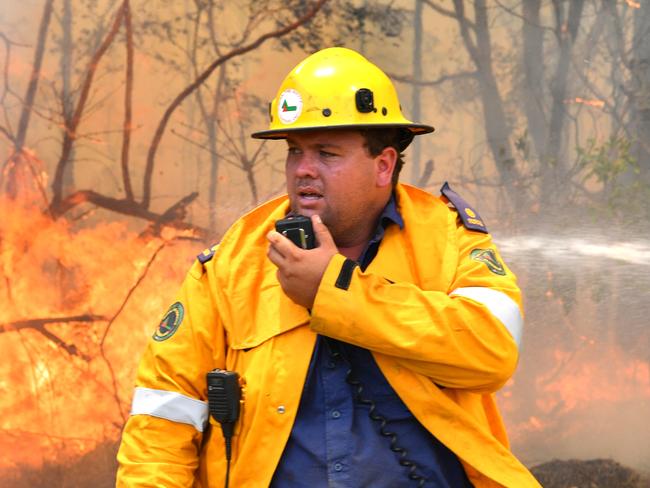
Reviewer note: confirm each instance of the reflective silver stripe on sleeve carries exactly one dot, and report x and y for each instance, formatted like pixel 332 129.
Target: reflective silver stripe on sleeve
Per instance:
pixel 171 406
pixel 499 304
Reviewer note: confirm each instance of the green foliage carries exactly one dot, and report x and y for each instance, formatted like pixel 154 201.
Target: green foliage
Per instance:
pixel 622 192
pixel 607 161
pixel 342 22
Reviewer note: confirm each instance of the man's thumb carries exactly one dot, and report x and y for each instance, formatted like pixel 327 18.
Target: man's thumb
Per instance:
pixel 322 232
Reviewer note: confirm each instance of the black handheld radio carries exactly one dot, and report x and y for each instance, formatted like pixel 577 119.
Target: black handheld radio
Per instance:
pixel 224 396
pixel 298 229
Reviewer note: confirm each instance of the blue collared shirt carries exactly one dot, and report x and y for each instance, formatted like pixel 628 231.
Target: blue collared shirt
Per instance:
pixel 334 443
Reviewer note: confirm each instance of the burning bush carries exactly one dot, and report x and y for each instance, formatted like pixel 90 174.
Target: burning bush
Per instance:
pixel 77 303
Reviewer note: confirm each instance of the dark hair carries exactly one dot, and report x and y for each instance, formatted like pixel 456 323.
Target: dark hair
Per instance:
pixel 376 140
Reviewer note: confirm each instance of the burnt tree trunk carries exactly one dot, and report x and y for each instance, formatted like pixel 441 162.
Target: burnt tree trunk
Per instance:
pixel 555 166
pixel 641 94
pixel 417 76
pixel 67 102
pixel 533 84
pixel 497 128
pixel 25 115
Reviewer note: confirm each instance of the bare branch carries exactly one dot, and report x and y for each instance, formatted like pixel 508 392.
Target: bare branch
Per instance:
pixel 173 216
pixel 619 37
pixel 438 81
pixel 153 148
pixel 40 323
pixel 465 25
pixel 7 134
pixel 129 207
pixel 258 151
pixel 70 133
pixel 5 72
pixel 128 95
pixel 445 12
pixel 66 346
pixel 35 76
pixel 129 293
pixel 554 177
pixel 116 395
pixel 205 148
pixel 426 174
pixel 525 19
pixel 30 95
pixel 38 179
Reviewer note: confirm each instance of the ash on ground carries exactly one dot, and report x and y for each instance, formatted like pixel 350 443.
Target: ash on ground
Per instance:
pixel 594 473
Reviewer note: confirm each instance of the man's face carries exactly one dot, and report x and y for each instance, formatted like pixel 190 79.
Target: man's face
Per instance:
pixel 330 173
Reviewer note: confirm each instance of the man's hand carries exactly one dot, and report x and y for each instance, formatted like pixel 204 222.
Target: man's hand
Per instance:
pixel 300 270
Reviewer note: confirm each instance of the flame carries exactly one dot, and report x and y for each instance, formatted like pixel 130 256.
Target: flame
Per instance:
pixel 633 4
pixel 594 381
pixel 597 374
pixel 587 101
pixel 62 401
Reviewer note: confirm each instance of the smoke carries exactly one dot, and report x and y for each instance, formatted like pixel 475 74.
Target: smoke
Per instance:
pixel 582 389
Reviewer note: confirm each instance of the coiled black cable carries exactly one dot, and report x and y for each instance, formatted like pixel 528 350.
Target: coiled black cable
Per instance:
pixel 377 417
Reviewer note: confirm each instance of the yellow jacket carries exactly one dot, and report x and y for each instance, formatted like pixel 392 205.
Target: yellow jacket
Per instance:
pixel 442 324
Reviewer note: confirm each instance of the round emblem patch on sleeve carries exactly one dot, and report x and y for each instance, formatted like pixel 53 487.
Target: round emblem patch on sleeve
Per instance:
pixel 489 258
pixel 170 322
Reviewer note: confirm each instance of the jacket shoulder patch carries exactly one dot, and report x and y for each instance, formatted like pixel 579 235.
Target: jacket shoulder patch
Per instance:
pixel 170 322
pixel 207 255
pixel 489 258
pixel 470 217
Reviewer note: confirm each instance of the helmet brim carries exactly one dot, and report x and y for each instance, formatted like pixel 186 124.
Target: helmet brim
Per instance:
pixel 414 129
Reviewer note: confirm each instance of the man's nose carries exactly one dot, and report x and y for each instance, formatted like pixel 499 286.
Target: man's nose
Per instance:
pixel 306 166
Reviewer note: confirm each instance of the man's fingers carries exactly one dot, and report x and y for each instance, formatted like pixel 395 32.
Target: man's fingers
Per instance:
pixel 279 242
pixel 275 256
pixel 281 245
pixel 323 235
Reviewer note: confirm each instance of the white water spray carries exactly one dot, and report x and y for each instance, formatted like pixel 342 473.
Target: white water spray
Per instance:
pixel 632 251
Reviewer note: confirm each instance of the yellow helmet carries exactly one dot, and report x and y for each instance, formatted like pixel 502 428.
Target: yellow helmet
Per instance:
pixel 337 88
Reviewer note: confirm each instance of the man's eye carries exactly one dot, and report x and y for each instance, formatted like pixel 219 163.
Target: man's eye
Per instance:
pixel 325 154
pixel 293 150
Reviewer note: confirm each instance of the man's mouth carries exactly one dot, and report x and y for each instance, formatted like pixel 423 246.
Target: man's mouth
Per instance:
pixel 309 194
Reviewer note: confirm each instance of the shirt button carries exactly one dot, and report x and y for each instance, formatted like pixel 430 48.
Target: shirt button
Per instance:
pixel 281 409
pixel 336 414
pixel 338 467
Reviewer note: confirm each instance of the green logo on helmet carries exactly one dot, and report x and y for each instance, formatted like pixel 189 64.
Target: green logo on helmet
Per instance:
pixel 289 108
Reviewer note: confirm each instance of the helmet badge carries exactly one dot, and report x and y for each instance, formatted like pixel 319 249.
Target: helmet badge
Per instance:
pixel 289 106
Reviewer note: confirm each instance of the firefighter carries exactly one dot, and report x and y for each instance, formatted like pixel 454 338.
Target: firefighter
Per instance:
pixel 371 360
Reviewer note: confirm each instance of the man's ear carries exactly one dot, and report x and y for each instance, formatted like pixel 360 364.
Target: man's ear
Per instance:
pixel 385 164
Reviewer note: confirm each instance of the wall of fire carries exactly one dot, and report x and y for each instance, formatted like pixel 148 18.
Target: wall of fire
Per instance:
pixel 93 249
